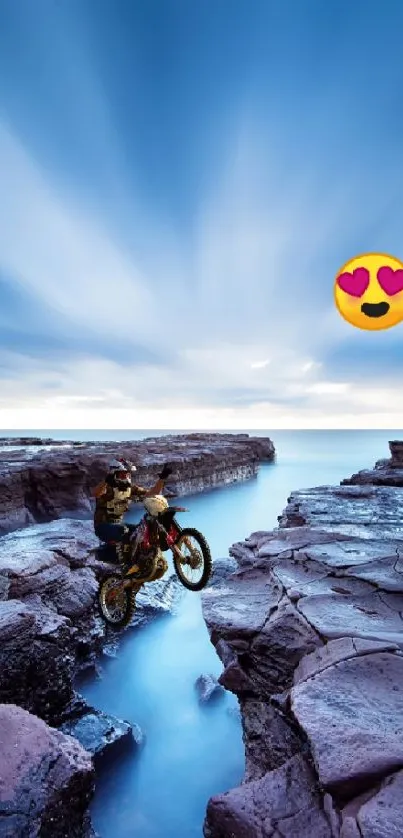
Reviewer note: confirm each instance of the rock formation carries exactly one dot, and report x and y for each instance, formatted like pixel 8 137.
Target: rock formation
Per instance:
pixel 41 483
pixel 385 472
pixel 310 632
pixel 208 688
pixel 46 779
pixel 49 628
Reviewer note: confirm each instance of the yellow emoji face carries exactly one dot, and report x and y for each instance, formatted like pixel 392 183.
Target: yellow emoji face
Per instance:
pixel 368 291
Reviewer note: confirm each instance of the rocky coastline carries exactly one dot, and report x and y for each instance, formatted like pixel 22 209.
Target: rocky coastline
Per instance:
pixel 307 620
pixel 385 472
pixel 310 631
pixel 50 738
pixel 44 480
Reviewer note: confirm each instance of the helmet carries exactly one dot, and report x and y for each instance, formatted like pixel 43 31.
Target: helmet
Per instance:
pixel 155 505
pixel 120 470
pixel 121 465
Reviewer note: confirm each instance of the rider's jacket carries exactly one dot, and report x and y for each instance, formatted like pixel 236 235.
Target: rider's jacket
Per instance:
pixel 114 503
pixel 118 504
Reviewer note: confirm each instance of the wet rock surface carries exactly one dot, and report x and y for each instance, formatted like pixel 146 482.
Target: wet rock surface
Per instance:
pixel 42 482
pixel 208 688
pixel 310 632
pixel 49 620
pixel 46 779
pixel 385 472
pixel 50 629
pixel 101 734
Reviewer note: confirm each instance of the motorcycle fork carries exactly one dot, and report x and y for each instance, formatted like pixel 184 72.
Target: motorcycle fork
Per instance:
pixel 173 546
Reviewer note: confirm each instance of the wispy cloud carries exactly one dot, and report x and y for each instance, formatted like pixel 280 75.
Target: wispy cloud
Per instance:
pixel 116 312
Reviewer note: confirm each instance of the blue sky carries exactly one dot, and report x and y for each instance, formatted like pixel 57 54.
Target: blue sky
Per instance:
pixel 179 184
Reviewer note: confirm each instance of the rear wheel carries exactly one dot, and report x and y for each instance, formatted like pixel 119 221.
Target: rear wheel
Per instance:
pixel 194 564
pixel 116 603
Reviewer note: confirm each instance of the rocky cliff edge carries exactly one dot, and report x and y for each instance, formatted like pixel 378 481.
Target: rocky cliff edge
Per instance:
pixel 42 482
pixel 310 632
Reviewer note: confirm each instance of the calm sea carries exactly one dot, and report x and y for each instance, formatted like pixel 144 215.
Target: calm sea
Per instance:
pixel 192 752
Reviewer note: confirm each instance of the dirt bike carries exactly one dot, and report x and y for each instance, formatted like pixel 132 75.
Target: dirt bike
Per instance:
pixel 139 559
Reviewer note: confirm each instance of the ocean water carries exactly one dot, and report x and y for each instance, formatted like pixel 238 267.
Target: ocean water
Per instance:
pixel 193 752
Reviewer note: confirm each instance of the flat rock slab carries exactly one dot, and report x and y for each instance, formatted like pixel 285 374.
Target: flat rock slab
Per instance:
pixel 291 538
pixel 351 553
pixel 242 605
pixel 99 733
pixel 385 573
pixel 293 573
pixel 282 804
pixel 46 778
pixel 352 713
pixel 376 512
pixel 314 583
pixel 336 651
pixel 380 816
pixel 42 545
pixel 375 617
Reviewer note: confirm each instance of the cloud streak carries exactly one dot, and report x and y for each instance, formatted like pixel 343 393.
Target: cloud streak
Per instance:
pixel 117 312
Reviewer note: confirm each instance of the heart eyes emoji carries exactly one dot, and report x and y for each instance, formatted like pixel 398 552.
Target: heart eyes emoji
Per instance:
pixel 390 281
pixel 356 283
pixel 368 291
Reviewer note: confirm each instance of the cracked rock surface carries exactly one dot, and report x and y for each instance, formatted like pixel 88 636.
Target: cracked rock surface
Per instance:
pixel 46 779
pixel 39 483
pixel 310 632
pixel 49 629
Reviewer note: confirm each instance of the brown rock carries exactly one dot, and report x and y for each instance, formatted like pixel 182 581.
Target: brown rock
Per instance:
pixel 282 804
pixel 377 814
pixel 269 739
pixel 352 713
pixel 335 651
pixel 36 661
pixel 43 483
pixel 335 631
pixel 46 779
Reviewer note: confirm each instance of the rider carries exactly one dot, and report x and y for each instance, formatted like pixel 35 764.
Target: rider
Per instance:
pixel 115 494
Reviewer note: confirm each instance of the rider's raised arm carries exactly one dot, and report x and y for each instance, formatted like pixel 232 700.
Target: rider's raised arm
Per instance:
pixel 156 489
pixel 139 492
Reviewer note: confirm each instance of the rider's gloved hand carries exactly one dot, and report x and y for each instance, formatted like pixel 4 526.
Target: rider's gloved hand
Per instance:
pixel 166 472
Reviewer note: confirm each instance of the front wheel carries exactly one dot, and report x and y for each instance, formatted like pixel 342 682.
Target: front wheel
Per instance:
pixel 194 564
pixel 116 603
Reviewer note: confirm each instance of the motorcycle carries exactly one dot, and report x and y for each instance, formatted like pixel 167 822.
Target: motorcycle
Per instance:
pixel 140 559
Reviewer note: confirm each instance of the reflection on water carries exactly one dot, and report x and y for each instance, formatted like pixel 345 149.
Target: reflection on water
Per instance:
pixel 193 752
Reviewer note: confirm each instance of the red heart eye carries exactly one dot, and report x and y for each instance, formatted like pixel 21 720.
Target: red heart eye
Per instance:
pixel 356 283
pixel 390 281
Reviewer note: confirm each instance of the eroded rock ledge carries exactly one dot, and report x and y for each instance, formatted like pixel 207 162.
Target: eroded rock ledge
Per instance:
pixel 39 483
pixel 310 631
pixel 385 472
pixel 49 629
